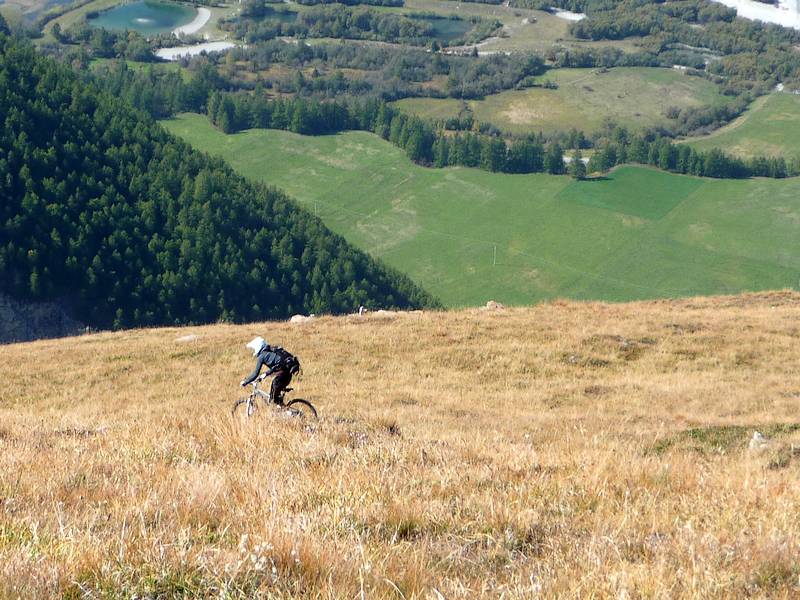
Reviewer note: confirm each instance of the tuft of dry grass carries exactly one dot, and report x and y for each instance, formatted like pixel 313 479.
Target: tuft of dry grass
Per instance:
pixel 568 449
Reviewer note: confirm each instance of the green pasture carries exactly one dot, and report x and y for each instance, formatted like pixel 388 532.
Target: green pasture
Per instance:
pixel 770 127
pixel 631 96
pixel 637 233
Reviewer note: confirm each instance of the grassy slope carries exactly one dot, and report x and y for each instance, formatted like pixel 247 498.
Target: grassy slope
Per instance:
pixel 634 97
pixel 771 127
pixel 638 234
pixel 577 450
pixel 12 13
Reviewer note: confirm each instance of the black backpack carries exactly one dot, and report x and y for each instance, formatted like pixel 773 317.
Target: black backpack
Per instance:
pixel 289 361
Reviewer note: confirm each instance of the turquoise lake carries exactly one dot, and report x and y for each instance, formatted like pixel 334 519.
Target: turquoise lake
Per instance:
pixel 148 17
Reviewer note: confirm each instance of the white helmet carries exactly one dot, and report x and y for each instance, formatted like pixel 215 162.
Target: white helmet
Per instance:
pixel 256 344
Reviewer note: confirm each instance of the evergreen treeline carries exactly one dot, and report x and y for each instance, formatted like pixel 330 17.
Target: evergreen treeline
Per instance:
pixel 103 43
pixel 661 152
pixel 429 145
pixel 424 142
pixel 163 94
pixel 103 208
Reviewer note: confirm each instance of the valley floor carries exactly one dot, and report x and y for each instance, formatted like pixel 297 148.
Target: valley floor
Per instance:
pixel 566 449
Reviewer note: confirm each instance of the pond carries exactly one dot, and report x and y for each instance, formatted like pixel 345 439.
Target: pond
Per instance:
pixel 284 16
pixel 148 17
pixel 447 29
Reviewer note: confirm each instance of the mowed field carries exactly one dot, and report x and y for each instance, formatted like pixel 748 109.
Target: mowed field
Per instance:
pixel 631 96
pixel 771 127
pixel 567 450
pixel 638 233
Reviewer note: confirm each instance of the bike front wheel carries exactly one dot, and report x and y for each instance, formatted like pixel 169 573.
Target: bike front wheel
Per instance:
pixel 302 408
pixel 244 407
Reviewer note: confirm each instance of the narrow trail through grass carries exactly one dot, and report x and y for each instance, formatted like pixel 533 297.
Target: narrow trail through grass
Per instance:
pixel 770 127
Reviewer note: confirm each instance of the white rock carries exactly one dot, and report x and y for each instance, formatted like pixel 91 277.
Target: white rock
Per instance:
pixel 301 318
pixel 758 441
pixel 192 337
pixel 493 305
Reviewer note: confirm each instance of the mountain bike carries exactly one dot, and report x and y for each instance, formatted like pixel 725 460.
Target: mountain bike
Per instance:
pixel 297 407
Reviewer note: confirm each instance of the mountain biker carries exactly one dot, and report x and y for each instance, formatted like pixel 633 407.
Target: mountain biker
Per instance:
pixel 278 361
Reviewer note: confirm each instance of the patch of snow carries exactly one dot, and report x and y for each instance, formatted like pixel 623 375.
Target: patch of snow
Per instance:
pixel 176 52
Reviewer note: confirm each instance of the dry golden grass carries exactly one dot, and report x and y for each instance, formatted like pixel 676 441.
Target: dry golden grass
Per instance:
pixel 570 450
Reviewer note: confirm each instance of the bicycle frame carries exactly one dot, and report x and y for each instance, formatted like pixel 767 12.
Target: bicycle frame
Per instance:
pixel 252 401
pixel 258 392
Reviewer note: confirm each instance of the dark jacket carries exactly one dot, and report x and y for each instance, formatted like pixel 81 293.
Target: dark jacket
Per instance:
pixel 265 358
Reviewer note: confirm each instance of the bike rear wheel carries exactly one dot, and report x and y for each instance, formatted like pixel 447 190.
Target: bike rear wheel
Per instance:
pixel 302 408
pixel 243 407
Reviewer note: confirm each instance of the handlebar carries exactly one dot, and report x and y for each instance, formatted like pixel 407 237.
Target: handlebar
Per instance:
pixel 259 379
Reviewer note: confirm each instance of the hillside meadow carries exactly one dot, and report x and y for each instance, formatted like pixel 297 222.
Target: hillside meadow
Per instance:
pixel 770 127
pixel 566 450
pixel 635 97
pixel 636 233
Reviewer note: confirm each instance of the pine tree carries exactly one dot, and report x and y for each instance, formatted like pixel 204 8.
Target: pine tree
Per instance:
pixel 440 152
pixel 554 162
pixel 213 107
pixel 576 166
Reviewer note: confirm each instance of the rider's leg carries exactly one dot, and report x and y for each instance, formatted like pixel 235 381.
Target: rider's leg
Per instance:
pixel 280 382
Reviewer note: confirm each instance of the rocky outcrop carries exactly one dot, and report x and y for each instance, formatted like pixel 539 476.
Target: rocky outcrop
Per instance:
pixel 24 321
pixel 302 318
pixel 493 305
